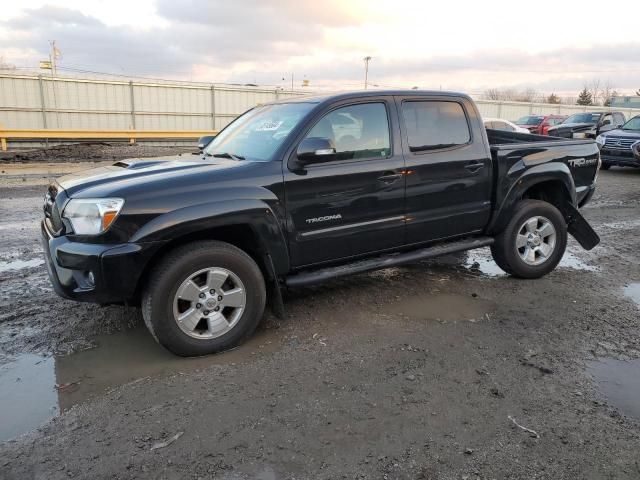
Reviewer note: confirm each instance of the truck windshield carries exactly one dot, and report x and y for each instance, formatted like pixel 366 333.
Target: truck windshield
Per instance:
pixel 530 120
pixel 583 118
pixel 257 134
pixel 633 124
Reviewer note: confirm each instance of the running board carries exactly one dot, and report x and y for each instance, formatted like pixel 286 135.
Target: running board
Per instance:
pixel 318 276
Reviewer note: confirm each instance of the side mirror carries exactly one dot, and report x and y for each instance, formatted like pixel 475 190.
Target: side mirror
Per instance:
pixel 606 126
pixel 204 141
pixel 315 150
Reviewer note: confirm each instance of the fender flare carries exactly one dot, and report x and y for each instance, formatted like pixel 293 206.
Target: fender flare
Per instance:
pixel 553 171
pixel 254 213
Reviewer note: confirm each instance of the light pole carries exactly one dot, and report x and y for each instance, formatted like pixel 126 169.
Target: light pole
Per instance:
pixel 366 59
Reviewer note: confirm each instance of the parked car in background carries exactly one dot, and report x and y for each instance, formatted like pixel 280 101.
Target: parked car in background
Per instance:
pixel 588 124
pixel 539 124
pixel 505 125
pixel 621 146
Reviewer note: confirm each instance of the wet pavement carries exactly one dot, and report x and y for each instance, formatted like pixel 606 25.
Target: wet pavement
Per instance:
pixel 619 382
pixel 395 374
pixel 633 292
pixel 28 396
pixel 35 388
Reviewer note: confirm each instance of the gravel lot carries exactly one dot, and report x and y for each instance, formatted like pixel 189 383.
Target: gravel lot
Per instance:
pixel 446 369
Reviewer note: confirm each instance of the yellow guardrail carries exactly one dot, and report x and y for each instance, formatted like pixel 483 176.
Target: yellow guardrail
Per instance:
pixel 131 135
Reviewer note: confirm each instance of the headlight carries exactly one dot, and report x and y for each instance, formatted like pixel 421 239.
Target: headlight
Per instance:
pixel 600 139
pixel 91 216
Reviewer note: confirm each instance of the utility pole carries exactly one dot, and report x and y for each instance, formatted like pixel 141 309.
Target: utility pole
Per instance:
pixel 366 59
pixel 53 56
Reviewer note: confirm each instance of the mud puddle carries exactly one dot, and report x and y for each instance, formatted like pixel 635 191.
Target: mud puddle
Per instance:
pixel 619 382
pixel 444 308
pixel 28 396
pixel 633 292
pixel 483 264
pixel 20 264
pixel 34 389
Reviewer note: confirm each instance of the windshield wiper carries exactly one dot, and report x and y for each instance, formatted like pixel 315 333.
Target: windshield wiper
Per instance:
pixel 231 156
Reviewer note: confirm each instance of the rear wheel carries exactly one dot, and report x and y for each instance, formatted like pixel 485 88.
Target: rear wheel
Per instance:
pixel 533 242
pixel 203 298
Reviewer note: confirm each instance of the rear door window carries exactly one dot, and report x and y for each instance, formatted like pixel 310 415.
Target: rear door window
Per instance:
pixel 432 125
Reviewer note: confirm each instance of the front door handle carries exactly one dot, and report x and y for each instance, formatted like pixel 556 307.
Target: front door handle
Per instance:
pixel 389 177
pixel 474 167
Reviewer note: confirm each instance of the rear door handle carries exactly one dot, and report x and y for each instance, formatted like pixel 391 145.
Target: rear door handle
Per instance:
pixel 389 177
pixel 474 167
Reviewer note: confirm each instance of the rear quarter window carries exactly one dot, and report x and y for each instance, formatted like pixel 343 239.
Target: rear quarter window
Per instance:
pixel 432 125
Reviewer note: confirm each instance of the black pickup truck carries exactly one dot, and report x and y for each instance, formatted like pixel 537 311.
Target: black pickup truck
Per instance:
pixel 300 191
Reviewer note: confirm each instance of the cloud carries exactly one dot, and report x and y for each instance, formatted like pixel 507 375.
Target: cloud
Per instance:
pixel 199 32
pixel 258 41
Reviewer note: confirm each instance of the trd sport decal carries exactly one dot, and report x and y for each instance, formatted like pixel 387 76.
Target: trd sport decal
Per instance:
pixel 582 162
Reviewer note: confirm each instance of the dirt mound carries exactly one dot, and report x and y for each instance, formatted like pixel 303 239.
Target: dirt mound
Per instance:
pixel 83 152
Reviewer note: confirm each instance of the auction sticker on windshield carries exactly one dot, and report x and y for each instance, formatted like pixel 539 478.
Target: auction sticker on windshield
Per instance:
pixel 269 125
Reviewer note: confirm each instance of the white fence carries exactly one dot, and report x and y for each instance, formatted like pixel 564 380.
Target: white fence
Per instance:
pixel 30 101
pixel 40 101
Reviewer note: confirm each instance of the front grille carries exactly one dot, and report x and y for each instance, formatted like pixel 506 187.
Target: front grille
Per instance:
pixel 616 143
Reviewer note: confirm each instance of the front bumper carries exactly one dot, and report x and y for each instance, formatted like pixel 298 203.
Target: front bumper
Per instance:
pixel 98 273
pixel 622 159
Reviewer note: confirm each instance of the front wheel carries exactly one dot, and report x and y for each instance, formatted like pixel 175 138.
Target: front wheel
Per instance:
pixel 533 242
pixel 203 298
pixel 605 166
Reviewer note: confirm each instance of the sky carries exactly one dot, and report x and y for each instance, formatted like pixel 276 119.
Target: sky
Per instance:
pixel 461 45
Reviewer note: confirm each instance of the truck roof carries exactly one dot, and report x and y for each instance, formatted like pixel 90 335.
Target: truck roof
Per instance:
pixel 330 97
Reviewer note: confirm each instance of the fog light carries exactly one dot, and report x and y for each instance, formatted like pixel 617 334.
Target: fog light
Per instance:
pixel 91 280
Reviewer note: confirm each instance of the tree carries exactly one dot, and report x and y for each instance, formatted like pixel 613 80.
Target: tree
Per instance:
pixel 607 101
pixel 553 98
pixel 492 94
pixel 528 95
pixel 605 94
pixel 595 91
pixel 585 97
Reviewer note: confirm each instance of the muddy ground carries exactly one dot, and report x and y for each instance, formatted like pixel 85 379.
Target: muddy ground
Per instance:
pixel 446 369
pixel 89 152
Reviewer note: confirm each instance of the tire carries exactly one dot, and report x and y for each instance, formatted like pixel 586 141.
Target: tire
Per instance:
pixel 188 325
pixel 533 259
pixel 605 166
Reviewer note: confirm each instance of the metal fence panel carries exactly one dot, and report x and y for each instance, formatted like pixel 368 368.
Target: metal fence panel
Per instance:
pixel 31 101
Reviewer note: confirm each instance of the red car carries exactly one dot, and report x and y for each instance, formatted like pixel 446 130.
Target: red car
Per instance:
pixel 539 124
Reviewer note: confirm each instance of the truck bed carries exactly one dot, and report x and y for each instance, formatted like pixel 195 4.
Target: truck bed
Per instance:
pixel 514 152
pixel 502 139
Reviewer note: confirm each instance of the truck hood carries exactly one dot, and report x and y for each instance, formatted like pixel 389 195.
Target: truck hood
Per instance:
pixel 140 171
pixel 566 129
pixel 620 133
